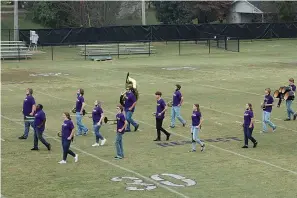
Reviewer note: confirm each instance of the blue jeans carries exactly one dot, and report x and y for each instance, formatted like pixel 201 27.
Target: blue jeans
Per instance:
pixel 175 112
pixel 27 128
pixel 97 133
pixel 289 108
pixel 119 144
pixel 266 120
pixel 66 148
pixel 195 138
pixel 80 126
pixel 38 136
pixel 130 120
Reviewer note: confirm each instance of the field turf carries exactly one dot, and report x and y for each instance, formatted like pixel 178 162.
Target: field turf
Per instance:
pixel 221 82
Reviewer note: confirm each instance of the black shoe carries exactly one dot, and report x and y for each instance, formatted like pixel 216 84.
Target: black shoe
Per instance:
pixel 167 138
pixel 22 138
pixel 49 147
pixel 255 144
pixel 127 130
pixel 192 151
pixel 245 146
pixel 157 139
pixel 184 124
pixel 202 148
pixel 34 149
pixel 295 116
pixel 288 119
pixel 171 126
pixel 136 127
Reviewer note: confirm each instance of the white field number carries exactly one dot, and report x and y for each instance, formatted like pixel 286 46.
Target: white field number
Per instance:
pixel 138 184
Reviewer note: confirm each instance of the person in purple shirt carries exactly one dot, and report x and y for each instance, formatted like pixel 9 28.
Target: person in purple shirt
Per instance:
pixel 80 105
pixel 130 104
pixel 97 116
pixel 160 115
pixel 121 125
pixel 289 102
pixel 67 132
pixel 248 126
pixel 177 101
pixel 29 108
pixel 195 128
pixel 267 108
pixel 39 123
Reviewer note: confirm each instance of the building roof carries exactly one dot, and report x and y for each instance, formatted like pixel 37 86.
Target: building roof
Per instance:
pixel 266 6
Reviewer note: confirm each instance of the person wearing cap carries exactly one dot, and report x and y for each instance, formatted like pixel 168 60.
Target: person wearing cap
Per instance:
pixel 29 108
pixel 177 101
pixel 39 123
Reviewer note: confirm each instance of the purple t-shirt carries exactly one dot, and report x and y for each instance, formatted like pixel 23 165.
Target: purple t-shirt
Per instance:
pixel 176 98
pixel 196 116
pixel 39 119
pixel 120 121
pixel 160 107
pixel 129 101
pixel 27 105
pixel 293 87
pixel 79 101
pixel 67 128
pixel 96 114
pixel 268 99
pixel 248 115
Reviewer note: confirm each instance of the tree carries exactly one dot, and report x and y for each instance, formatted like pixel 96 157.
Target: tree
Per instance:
pixel 287 10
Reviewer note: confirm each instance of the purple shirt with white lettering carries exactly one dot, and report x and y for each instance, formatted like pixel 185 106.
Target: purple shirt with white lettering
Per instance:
pixel 96 114
pixel 27 105
pixel 196 116
pixel 79 101
pixel 160 107
pixel 176 98
pixel 120 121
pixel 293 87
pixel 268 99
pixel 67 128
pixel 130 101
pixel 39 119
pixel 248 115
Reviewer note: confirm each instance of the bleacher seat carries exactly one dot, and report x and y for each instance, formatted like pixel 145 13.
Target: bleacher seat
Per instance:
pixel 14 50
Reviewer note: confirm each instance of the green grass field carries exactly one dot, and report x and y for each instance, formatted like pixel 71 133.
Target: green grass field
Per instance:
pixel 221 82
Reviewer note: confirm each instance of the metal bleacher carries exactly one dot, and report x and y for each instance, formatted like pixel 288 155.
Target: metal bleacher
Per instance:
pixel 116 49
pixel 14 50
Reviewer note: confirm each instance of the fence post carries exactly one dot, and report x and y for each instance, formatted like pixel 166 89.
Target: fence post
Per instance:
pixel 208 45
pixel 118 50
pixel 52 52
pixel 178 47
pixel 149 48
pixel 8 34
pixel 225 38
pixel 85 52
pixel 238 40
pixel 19 53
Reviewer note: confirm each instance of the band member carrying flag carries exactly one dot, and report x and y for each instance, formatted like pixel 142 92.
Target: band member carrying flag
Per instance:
pixel 39 123
pixel 29 108
pixel 177 101
pixel 267 109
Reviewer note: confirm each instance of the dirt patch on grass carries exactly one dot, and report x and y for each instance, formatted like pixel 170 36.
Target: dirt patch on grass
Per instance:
pixel 16 76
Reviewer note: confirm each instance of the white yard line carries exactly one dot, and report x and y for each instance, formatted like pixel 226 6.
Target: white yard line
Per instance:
pixel 110 163
pixel 219 148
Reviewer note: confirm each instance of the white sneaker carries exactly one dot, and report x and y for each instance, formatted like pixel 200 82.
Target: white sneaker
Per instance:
pixel 76 158
pixel 103 142
pixel 62 162
pixel 96 144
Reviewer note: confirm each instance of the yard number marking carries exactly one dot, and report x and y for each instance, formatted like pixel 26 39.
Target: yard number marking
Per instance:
pixel 157 177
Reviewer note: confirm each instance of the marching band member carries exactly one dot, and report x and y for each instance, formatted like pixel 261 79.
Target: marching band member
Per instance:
pixel 80 104
pixel 121 124
pixel 267 108
pixel 196 124
pixel 160 114
pixel 248 126
pixel 66 136
pixel 289 102
pixel 39 123
pixel 29 108
pixel 98 116
pixel 176 104
pixel 130 103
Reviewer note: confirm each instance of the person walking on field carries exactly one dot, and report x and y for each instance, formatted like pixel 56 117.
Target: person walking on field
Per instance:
pixel 177 102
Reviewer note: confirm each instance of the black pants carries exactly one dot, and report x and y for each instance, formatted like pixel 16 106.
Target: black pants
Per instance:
pixel 159 128
pixel 248 135
pixel 38 136
pixel 66 150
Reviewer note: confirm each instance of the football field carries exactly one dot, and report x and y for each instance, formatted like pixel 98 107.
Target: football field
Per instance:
pixel 221 82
